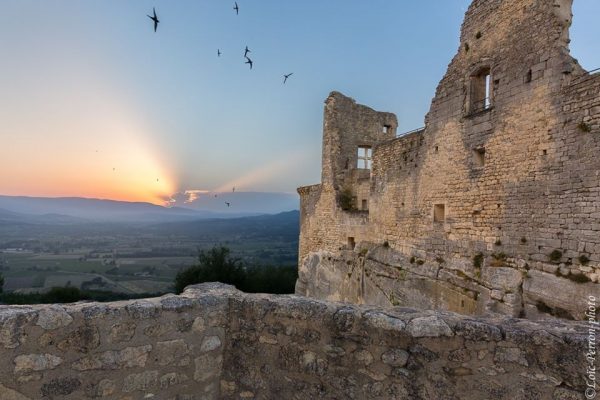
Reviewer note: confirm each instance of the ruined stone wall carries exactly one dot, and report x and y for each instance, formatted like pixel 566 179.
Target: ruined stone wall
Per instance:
pixel 214 342
pixel 521 227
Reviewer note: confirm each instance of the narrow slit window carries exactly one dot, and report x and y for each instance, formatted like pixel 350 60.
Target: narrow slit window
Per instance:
pixel 387 129
pixel 479 157
pixel 364 157
pixel 439 213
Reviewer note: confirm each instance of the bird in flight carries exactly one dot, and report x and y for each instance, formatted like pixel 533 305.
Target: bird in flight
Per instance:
pixel 285 77
pixel 154 18
pixel 246 52
pixel 236 8
pixel 228 204
pixel 249 61
pixel 218 52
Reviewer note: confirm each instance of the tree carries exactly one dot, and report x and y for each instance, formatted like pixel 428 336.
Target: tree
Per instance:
pixel 1 283
pixel 214 265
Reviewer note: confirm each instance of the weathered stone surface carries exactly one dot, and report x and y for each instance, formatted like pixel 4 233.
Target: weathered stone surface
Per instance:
pixel 207 367
pixel 170 351
pixel 82 340
pixel 122 332
pixel 7 393
pixel 60 387
pixel 103 388
pixel 142 381
pixel 210 343
pixel 428 327
pixel 172 379
pixel 395 357
pixel 129 357
pixel 36 362
pixel 53 317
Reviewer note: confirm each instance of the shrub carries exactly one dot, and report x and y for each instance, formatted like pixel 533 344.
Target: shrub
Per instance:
pixel 346 200
pixel 498 242
pixel 555 256
pixel 523 240
pixel 1 283
pixel 413 260
pixel 478 35
pixel 478 260
pixel 583 259
pixel 583 127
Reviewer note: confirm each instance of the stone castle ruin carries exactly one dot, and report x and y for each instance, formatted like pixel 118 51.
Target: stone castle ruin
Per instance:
pixel 491 210
pixel 493 207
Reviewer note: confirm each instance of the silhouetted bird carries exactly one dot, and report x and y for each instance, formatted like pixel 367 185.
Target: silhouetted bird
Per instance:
pixel 228 204
pixel 249 61
pixel 285 77
pixel 246 52
pixel 156 179
pixel 218 52
pixel 236 8
pixel 155 19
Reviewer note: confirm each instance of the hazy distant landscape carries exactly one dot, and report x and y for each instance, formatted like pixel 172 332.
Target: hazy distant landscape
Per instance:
pixel 142 254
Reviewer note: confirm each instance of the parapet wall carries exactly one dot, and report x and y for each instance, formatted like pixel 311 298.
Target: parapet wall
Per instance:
pixel 215 342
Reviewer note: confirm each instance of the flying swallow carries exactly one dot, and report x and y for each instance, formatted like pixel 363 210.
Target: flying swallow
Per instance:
pixel 246 52
pixel 285 77
pixel 249 61
pixel 154 18
pixel 228 204
pixel 218 52
pixel 236 8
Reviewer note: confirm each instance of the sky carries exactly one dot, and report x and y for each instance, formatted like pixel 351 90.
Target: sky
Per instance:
pixel 93 103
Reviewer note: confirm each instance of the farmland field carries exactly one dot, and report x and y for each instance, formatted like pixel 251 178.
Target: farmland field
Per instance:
pixel 134 259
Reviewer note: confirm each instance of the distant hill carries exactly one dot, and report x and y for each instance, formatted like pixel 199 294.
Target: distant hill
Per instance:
pixel 64 209
pixel 74 209
pixel 284 225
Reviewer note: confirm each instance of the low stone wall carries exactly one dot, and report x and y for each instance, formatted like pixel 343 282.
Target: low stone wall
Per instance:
pixel 214 342
pixel 164 348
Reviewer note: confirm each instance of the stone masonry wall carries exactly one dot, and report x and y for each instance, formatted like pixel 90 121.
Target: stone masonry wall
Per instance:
pixel 215 342
pixel 518 184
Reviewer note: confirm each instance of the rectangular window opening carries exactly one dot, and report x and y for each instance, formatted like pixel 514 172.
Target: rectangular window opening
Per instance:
pixel 481 90
pixel 365 205
pixel 439 213
pixel 387 128
pixel 364 157
pixel 351 243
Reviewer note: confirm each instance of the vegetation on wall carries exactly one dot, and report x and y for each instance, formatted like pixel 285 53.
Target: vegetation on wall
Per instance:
pixel 346 199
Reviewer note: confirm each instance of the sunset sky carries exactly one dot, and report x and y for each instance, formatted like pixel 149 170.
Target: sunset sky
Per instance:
pixel 93 103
